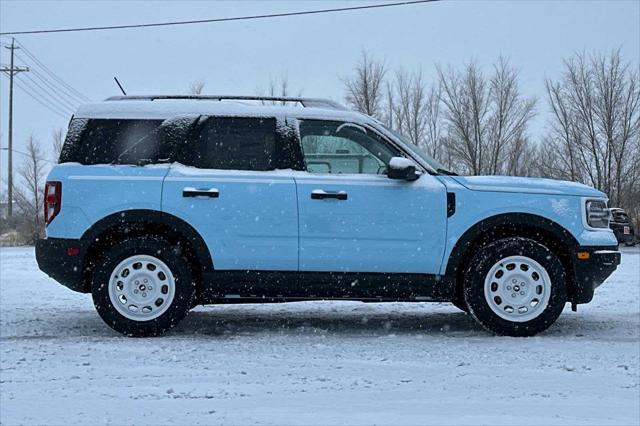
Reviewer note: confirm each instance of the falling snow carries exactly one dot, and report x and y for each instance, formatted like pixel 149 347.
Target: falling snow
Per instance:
pixel 314 362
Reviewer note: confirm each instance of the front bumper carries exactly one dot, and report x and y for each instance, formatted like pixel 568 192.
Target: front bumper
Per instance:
pixel 618 230
pixel 63 260
pixel 592 270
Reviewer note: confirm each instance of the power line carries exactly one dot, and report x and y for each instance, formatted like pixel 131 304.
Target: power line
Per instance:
pixel 60 91
pixel 27 154
pixel 53 92
pixel 35 97
pixel 53 98
pixel 53 75
pixel 51 83
pixel 237 18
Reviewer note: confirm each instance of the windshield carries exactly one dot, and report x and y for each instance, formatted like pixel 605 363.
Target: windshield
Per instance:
pixel 417 151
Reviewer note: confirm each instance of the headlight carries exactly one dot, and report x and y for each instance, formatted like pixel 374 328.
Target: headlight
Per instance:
pixel 597 214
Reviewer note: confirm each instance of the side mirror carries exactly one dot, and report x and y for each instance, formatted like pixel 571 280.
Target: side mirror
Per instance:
pixel 402 168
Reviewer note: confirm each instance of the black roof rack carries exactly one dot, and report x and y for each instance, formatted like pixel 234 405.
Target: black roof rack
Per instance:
pixel 305 102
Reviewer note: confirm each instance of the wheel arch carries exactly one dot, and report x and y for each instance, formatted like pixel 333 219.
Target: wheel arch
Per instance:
pixel 526 225
pixel 140 222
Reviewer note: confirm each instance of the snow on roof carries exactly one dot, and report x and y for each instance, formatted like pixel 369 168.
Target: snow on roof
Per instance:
pixel 166 108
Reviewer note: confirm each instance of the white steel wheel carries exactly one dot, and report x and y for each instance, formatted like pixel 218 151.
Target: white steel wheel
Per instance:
pixel 141 288
pixel 517 288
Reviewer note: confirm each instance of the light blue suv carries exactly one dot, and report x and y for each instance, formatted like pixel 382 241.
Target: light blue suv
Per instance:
pixel 161 203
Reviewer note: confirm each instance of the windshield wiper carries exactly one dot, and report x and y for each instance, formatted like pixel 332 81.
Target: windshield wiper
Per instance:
pixel 446 172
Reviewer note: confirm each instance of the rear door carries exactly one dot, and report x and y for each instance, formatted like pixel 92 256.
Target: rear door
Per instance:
pixel 353 218
pixel 227 187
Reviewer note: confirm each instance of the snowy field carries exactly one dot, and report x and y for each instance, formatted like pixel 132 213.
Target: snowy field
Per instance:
pixel 314 362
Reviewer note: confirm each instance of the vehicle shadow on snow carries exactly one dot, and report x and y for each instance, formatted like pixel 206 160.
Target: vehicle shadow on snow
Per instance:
pixel 229 320
pixel 335 321
pixel 367 320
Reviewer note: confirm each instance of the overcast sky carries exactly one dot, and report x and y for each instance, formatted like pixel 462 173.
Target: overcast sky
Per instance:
pixel 315 51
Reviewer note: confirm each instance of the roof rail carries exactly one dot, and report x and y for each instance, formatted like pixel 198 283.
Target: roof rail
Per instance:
pixel 305 102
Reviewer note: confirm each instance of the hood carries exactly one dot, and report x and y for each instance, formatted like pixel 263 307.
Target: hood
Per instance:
pixel 527 185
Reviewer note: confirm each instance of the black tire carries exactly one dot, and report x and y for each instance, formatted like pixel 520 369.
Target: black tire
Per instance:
pixel 179 267
pixel 489 255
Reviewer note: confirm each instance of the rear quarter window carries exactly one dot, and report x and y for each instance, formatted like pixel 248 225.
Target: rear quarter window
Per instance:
pixel 103 141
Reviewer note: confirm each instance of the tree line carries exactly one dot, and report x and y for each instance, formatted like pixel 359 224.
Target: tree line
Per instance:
pixel 478 122
pixel 473 121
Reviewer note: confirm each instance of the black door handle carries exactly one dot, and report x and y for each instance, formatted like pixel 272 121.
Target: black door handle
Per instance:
pixel 195 192
pixel 319 194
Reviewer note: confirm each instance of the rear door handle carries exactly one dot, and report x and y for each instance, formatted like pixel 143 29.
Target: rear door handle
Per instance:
pixel 199 192
pixel 319 194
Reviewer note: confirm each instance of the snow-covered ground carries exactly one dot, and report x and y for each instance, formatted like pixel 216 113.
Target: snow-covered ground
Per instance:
pixel 314 363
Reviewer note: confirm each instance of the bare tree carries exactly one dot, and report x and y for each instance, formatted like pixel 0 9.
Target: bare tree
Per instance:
pixel 415 111
pixel 57 138
pixel 409 106
pixel 278 87
pixel 30 197
pixel 595 127
pixel 508 120
pixel 466 99
pixel 560 139
pixel 433 117
pixel 389 101
pixel 196 87
pixel 365 90
pixel 486 118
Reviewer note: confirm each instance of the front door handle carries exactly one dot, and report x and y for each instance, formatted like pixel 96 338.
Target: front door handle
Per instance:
pixel 198 192
pixel 319 194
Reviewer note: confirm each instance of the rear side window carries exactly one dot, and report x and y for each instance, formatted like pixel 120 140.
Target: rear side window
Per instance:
pixel 103 141
pixel 233 144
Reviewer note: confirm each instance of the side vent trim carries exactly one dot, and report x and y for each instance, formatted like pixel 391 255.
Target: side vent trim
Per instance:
pixel 451 204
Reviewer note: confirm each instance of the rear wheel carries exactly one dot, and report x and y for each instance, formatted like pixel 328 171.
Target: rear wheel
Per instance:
pixel 142 287
pixel 515 287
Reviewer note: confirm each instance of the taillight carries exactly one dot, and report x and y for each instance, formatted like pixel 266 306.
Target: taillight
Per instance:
pixel 52 200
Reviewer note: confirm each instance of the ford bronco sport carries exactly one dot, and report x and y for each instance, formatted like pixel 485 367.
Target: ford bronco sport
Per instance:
pixel 161 203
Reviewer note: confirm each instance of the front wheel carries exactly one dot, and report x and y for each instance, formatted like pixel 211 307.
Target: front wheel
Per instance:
pixel 515 287
pixel 142 287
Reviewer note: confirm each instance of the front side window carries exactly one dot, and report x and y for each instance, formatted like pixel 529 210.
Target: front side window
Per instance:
pixel 343 148
pixel 233 144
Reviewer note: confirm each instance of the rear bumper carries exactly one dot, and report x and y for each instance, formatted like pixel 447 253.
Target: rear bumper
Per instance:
pixel 57 258
pixel 590 273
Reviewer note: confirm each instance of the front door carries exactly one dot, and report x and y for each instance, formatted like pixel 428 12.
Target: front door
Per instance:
pixel 353 218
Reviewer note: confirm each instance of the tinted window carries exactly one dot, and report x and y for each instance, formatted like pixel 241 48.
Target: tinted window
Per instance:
pixel 334 147
pixel 71 146
pixel 620 217
pixel 103 141
pixel 233 144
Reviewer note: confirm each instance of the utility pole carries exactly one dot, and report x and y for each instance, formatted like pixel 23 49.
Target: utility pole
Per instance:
pixel 11 71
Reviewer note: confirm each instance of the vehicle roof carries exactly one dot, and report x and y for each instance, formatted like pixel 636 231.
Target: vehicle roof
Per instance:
pixel 167 108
